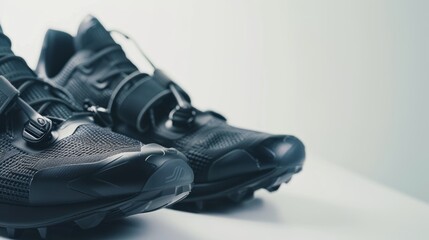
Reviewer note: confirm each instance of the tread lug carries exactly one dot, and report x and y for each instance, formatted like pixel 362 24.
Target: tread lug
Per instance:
pixel 241 196
pixel 12 232
pixel 90 221
pixel 43 232
pixel 273 188
pixel 199 205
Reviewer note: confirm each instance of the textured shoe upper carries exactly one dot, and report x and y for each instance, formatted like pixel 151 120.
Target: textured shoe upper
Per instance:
pixel 88 144
pixel 211 141
pixel 145 106
pixel 77 145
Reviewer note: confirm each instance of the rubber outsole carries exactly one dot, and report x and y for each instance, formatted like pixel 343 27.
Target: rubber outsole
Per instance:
pixel 271 181
pixel 17 219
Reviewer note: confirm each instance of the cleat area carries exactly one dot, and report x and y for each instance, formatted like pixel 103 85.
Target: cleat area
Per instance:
pixel 271 182
pixel 138 204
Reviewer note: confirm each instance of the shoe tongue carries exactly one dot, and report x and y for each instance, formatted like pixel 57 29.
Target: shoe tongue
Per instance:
pixel 14 69
pixel 92 35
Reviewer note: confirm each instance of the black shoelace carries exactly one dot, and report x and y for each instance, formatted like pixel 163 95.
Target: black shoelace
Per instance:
pixel 25 82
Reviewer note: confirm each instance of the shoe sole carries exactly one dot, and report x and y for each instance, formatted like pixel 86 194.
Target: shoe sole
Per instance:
pixel 19 218
pixel 271 181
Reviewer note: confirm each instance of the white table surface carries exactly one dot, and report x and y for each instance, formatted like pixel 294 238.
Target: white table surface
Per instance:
pixel 324 201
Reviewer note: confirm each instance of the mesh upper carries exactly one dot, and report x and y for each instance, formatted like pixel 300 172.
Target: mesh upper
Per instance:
pixel 82 90
pixel 80 85
pixel 88 144
pixel 213 140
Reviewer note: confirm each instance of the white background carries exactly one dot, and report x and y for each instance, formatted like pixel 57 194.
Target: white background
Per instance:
pixel 350 78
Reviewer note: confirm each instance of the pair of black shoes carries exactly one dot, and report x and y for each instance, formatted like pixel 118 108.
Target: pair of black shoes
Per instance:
pixel 68 150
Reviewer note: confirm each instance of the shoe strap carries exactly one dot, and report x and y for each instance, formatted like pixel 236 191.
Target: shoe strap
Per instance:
pixel 133 98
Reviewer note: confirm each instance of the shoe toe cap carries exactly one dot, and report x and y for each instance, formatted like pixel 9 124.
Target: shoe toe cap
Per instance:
pixel 279 151
pixel 124 174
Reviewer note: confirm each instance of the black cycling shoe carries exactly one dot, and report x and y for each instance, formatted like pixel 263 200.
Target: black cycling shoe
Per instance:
pixel 61 168
pixel 229 163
